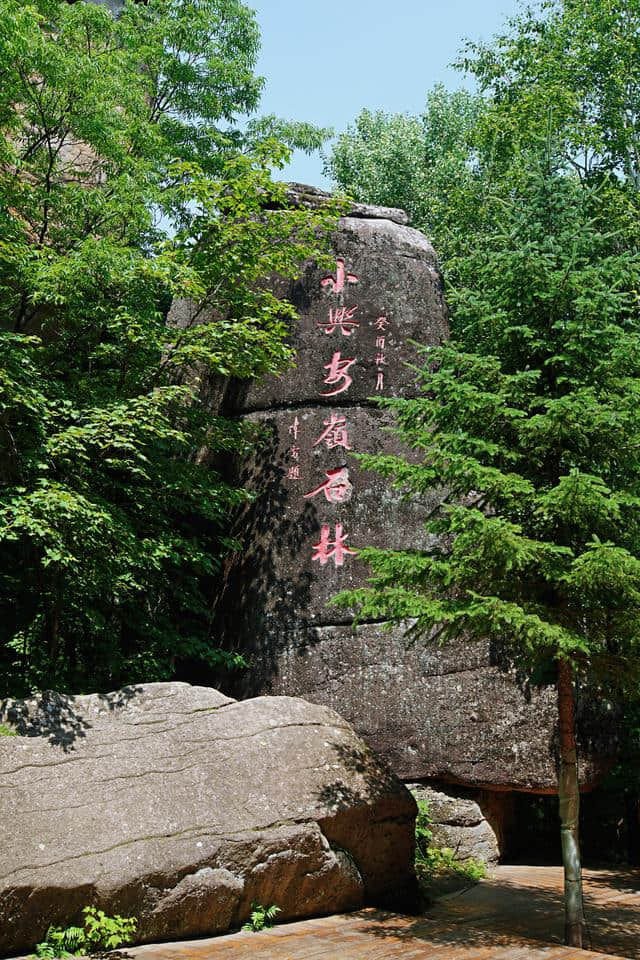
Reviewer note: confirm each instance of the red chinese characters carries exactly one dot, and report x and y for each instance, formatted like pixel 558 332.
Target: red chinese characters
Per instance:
pixel 337 284
pixel 336 488
pixel 381 361
pixel 336 434
pixel 327 549
pixel 293 472
pixel 293 429
pixel 338 374
pixel 340 319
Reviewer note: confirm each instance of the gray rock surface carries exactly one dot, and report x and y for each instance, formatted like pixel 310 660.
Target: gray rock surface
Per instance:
pixel 301 194
pixel 456 713
pixel 277 590
pixel 179 806
pixel 398 279
pixel 460 824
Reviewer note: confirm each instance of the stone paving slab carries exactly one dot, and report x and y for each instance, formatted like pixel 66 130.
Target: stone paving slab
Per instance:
pixel 516 914
pixel 528 901
pixel 367 935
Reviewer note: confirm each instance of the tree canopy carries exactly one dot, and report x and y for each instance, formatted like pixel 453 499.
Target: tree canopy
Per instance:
pixel 128 182
pixel 423 164
pixel 534 435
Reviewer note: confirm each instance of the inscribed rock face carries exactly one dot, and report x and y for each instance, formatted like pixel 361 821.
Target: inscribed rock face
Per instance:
pixel 456 713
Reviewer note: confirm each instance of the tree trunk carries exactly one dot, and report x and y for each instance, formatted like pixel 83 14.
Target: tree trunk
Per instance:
pixel 569 797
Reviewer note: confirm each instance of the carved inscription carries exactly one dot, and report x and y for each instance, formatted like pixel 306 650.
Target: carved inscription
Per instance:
pixel 342 319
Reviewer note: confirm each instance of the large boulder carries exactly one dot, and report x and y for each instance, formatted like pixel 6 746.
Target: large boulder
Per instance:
pixel 180 806
pixel 456 713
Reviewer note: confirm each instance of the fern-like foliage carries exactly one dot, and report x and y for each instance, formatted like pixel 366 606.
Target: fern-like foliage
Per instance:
pixel 261 917
pixel 100 932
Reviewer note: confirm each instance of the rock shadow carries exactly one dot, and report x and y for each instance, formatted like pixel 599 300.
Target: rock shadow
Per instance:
pixel 504 913
pixel 255 603
pixel 58 717
pixel 378 779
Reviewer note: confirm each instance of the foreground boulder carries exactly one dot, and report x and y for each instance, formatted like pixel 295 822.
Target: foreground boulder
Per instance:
pixel 180 806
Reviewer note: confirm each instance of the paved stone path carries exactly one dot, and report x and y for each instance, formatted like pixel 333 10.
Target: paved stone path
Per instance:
pixel 527 902
pixel 514 915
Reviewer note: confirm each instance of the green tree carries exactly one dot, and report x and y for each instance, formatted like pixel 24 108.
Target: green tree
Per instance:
pixel 581 61
pixel 426 164
pixel 534 434
pixel 126 183
pixel 578 60
pixel 528 419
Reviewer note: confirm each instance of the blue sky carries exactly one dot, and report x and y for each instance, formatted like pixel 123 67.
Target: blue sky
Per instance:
pixel 325 61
